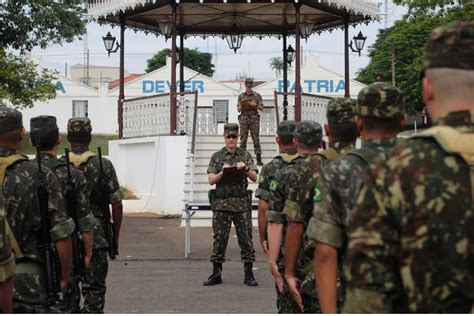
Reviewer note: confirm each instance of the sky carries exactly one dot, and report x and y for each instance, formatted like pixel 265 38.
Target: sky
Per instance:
pixel 252 59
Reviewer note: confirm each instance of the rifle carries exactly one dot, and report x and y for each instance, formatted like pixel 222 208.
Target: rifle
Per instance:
pixel 46 244
pixel 77 242
pixel 104 206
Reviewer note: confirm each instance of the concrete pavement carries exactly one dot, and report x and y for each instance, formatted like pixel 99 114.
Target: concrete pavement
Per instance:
pixel 151 274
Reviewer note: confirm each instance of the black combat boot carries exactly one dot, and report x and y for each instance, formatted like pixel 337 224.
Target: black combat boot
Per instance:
pixel 215 277
pixel 249 279
pixel 259 160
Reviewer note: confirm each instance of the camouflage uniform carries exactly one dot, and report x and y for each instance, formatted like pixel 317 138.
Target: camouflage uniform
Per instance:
pixel 94 285
pixel 22 210
pixel 411 246
pixel 340 181
pixel 249 119
pixel 7 261
pixel 85 220
pixel 298 206
pixel 232 204
pixel 308 133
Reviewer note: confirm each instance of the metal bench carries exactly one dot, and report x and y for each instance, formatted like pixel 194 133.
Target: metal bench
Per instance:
pixel 190 209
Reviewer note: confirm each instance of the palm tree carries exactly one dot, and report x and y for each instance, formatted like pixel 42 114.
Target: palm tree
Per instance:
pixel 276 63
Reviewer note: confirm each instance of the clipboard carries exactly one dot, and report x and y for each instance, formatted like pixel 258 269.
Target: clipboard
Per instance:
pixel 232 174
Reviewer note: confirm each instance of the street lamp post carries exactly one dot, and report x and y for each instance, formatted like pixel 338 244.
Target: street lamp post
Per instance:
pixel 359 45
pixel 359 41
pixel 109 42
pixel 289 55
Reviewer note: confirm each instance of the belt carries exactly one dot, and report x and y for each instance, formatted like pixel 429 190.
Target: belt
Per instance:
pixel 250 112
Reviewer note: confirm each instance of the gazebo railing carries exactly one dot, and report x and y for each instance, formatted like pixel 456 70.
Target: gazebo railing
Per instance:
pixel 313 107
pixel 150 116
pixel 146 116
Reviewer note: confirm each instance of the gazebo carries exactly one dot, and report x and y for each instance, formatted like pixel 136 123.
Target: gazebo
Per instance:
pixel 232 20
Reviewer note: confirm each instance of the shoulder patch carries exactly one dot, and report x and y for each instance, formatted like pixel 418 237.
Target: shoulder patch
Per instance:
pixel 261 179
pixel 317 194
pixel 273 185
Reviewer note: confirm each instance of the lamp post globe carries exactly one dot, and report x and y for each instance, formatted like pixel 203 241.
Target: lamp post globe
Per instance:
pixel 109 42
pixel 290 54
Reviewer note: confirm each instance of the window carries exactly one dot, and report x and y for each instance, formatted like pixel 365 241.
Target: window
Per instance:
pixel 105 80
pixel 221 109
pixel 79 108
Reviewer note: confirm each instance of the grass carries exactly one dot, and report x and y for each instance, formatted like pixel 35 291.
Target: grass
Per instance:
pixel 98 140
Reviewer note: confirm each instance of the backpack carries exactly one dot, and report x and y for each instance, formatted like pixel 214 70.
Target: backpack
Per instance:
pixel 5 163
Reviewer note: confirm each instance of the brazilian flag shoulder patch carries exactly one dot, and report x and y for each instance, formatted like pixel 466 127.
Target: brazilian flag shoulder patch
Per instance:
pixel 273 185
pixel 317 194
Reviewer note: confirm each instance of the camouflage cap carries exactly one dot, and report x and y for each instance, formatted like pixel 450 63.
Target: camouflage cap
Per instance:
pixel 43 122
pixel 79 125
pixel 10 119
pixel 286 128
pixel 308 133
pixel 248 80
pixel 341 110
pixel 231 129
pixel 380 100
pixel 451 46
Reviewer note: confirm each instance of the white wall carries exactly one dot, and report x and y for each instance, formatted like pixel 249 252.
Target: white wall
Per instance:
pixel 154 168
pixel 102 109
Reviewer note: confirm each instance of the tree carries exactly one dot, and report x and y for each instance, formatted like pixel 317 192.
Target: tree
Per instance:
pixel 406 39
pixel 241 76
pixel 276 63
pixel 194 59
pixel 24 25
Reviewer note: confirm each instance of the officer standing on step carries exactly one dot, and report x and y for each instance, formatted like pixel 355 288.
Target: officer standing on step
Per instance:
pixel 250 102
pixel 231 202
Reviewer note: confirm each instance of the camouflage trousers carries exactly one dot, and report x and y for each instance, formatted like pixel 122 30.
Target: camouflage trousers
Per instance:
pixel 71 300
pixel 93 286
pixel 250 122
pixel 286 304
pixel 221 223
pixel 27 308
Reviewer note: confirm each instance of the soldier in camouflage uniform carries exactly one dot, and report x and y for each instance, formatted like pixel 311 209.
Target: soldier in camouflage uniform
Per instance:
pixel 231 202
pixel 45 136
pixel 299 204
pixel 249 103
pixel 268 173
pixel 22 210
pixel 379 118
pixel 307 139
pixel 94 284
pixel 7 264
pixel 411 245
pixel 288 152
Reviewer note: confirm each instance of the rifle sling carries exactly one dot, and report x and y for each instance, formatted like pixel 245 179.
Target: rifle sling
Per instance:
pixel 16 248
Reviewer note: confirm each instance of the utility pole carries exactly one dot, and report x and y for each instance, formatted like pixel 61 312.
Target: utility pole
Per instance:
pixel 87 67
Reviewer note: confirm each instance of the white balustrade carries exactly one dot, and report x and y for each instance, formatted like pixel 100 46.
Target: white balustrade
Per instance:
pixel 206 121
pixel 313 108
pixel 150 116
pixel 146 116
